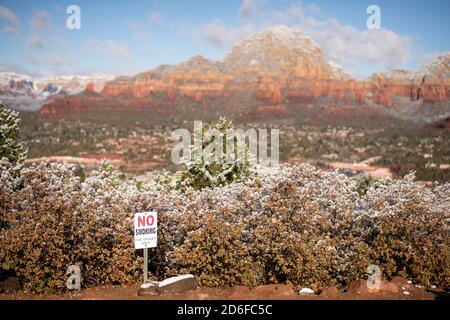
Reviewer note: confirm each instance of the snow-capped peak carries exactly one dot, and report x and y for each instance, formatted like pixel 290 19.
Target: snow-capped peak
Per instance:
pixel 439 67
pixel 281 35
pixel 280 50
pixel 72 84
pixel 288 36
pixel 91 77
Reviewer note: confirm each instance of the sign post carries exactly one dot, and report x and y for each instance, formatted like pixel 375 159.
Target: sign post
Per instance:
pixel 145 235
pixel 145 265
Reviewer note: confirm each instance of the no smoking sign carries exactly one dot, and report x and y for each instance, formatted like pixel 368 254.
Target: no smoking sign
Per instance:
pixel 145 230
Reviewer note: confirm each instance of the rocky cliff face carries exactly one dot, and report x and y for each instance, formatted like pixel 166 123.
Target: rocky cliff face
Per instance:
pixel 71 84
pixel 430 83
pixel 268 73
pixel 17 91
pixel 22 92
pixel 280 52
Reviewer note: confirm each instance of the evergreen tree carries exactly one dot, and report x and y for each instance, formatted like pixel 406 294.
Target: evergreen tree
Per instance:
pixel 210 173
pixel 10 147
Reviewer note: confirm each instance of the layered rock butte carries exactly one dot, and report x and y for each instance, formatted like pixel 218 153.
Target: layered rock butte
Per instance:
pixel 269 74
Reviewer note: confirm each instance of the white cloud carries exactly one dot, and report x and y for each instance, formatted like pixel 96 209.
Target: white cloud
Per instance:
pixel 249 7
pixel 139 30
pixel 313 8
pixel 116 50
pixel 33 59
pixel 38 25
pixel 353 48
pixel 13 68
pixel 154 17
pixel 428 57
pixel 89 44
pixel 61 42
pixel 220 35
pixel 39 22
pixel 56 60
pixel 35 41
pixel 11 19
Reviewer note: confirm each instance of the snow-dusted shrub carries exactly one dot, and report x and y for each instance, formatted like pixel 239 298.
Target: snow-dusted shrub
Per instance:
pixel 218 254
pixel 10 147
pixel 409 230
pixel 8 184
pixel 54 221
pixel 39 238
pixel 298 225
pixel 306 230
pixel 310 228
pixel 106 253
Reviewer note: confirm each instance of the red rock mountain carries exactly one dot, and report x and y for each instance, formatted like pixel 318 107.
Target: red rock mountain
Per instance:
pixel 270 73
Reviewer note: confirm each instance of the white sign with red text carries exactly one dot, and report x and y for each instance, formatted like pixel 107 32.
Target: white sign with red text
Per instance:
pixel 145 230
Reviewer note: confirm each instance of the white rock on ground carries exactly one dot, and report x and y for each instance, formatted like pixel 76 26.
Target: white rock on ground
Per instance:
pixel 149 285
pixel 307 291
pixel 174 279
pixel 178 284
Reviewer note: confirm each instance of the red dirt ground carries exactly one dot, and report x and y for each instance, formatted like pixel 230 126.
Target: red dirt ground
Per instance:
pixel 269 292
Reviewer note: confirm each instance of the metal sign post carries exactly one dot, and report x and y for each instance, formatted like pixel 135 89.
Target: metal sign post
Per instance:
pixel 145 265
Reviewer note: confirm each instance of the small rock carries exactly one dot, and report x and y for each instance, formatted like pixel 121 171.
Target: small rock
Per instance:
pixel 406 292
pixel 418 286
pixel 10 285
pixel 148 289
pixel 307 291
pixel 149 285
pixel 177 284
pixel 409 282
pixel 433 287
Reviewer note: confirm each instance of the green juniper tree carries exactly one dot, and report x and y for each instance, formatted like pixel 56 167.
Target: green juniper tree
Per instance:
pixel 207 173
pixel 10 147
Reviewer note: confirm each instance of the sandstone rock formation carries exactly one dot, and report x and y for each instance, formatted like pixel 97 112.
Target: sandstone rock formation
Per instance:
pixel 267 74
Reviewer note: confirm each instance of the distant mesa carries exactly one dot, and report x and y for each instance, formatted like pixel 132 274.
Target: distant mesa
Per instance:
pixel 271 73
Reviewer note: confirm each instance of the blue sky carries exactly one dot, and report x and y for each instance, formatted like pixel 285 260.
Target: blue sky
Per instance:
pixel 126 37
